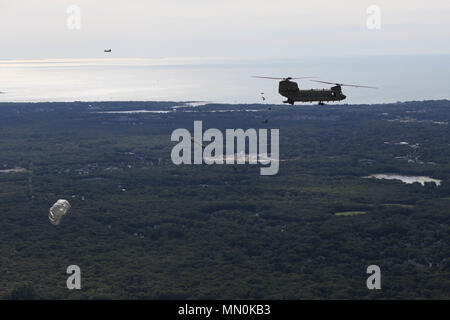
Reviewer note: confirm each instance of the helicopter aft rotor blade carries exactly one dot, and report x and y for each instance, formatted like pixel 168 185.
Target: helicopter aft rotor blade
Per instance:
pixel 344 85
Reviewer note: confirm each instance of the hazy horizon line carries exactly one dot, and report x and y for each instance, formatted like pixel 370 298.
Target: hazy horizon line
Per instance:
pixel 221 58
pixel 306 104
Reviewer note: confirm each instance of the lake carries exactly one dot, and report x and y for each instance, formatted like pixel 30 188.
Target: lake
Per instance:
pixel 406 179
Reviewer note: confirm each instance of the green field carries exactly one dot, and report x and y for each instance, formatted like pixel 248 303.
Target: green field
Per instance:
pixel 350 213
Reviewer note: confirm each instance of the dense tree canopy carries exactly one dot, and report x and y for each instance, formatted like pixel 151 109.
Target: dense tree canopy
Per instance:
pixel 143 228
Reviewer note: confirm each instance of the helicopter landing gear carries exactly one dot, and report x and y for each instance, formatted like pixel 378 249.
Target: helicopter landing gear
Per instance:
pixel 291 102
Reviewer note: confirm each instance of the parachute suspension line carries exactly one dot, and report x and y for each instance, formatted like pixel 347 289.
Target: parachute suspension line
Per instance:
pixel 267 113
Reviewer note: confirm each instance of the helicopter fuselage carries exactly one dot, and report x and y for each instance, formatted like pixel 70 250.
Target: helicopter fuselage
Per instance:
pixel 291 91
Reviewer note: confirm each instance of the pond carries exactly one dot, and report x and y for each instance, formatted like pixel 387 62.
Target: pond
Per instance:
pixel 406 179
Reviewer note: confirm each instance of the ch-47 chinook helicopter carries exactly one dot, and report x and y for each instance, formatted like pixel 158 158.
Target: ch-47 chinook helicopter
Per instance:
pixel 290 90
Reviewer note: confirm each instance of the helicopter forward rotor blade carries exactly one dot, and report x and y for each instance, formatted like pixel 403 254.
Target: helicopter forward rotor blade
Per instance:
pixel 290 78
pixel 267 78
pixel 344 85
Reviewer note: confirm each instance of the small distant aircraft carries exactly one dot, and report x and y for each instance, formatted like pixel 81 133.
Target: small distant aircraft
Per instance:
pixel 107 50
pixel 290 90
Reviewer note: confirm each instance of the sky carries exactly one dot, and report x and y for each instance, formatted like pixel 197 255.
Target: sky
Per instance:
pixel 38 29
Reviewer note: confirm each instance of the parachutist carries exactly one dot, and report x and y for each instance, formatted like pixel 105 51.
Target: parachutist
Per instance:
pixel 58 210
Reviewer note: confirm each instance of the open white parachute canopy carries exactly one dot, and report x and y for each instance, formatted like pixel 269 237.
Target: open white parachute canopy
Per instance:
pixel 58 210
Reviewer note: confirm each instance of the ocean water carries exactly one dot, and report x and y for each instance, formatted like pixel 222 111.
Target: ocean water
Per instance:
pixel 399 78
